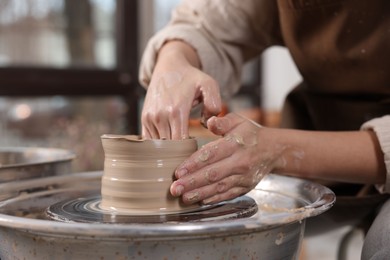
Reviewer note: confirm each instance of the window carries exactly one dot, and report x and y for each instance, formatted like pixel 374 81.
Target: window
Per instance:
pixel 68 73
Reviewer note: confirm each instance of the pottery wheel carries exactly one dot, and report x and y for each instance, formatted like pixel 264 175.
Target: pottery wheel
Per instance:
pixel 87 210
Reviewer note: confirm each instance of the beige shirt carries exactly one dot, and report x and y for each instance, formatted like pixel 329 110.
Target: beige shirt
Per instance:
pixel 341 48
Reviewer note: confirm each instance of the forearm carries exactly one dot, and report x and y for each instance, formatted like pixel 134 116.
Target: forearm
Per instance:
pixel 234 164
pixel 340 156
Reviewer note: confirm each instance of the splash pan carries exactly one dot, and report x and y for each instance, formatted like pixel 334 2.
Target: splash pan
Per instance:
pixel 278 200
pixel 45 217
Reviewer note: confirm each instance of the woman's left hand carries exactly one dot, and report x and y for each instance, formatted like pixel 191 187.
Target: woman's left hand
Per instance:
pixel 226 168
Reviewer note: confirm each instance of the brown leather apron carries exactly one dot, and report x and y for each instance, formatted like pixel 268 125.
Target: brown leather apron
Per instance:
pixel 342 50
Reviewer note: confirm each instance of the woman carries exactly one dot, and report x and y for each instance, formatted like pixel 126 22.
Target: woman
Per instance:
pixel 340 112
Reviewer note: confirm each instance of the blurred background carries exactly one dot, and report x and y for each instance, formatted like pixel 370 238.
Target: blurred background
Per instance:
pixel 68 74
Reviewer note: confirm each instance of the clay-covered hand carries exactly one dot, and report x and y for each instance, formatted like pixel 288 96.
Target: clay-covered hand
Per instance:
pixel 228 167
pixel 175 88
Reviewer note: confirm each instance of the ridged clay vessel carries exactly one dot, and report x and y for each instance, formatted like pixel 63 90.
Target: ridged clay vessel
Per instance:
pixel 138 174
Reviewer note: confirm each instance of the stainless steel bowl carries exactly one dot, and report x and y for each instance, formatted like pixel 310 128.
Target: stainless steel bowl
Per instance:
pixel 20 163
pixel 274 232
pixel 23 163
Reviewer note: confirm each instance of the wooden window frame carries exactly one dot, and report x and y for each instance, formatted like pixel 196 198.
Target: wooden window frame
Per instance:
pixel 122 80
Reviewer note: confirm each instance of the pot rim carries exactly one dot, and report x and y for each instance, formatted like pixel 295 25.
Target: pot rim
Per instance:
pixel 139 138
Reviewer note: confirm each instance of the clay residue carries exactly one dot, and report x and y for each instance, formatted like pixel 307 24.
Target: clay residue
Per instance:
pixel 279 238
pixel 204 155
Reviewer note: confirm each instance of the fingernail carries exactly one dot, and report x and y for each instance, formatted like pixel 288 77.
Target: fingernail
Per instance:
pixel 218 124
pixel 179 190
pixel 181 172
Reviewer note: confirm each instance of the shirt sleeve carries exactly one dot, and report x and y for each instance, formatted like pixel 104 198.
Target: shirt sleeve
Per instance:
pixel 225 34
pixel 381 127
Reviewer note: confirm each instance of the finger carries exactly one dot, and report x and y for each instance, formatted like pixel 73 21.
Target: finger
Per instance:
pixel 208 154
pixel 162 126
pixel 228 195
pixel 212 103
pixel 153 130
pixel 179 126
pixel 228 187
pixel 148 125
pixel 145 133
pixel 223 125
pixel 211 98
pixel 198 179
pixel 214 174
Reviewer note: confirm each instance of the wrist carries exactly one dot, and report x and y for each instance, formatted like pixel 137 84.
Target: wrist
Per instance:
pixel 177 53
pixel 281 150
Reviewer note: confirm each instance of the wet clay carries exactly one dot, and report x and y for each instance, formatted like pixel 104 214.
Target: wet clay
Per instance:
pixel 138 174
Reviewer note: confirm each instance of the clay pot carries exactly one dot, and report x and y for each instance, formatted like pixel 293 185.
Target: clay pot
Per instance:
pixel 138 174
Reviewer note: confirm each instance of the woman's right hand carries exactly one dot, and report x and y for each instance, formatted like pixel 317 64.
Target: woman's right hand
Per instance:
pixel 176 86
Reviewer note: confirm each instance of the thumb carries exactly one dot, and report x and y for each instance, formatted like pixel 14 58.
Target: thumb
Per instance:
pixel 212 104
pixel 223 125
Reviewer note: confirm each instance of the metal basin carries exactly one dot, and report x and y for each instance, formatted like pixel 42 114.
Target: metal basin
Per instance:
pixel 24 163
pixel 275 231
pixel 21 163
